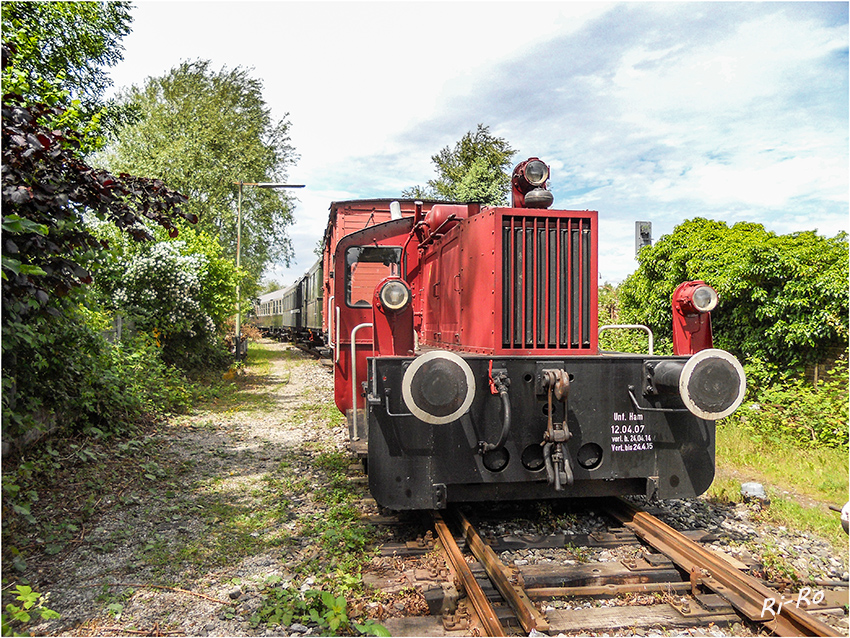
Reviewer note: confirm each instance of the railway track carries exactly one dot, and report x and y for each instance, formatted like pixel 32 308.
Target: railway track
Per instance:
pixel 666 579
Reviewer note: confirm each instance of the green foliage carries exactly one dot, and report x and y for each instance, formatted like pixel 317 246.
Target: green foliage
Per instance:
pixel 783 298
pixel 819 473
pixel 57 54
pixel 271 286
pixel 284 605
pixel 619 339
pixel 476 170
pixel 371 628
pixel 337 530
pixel 782 408
pixel 816 520
pixel 61 371
pixel 157 387
pixel 795 411
pixel 179 291
pixel 54 364
pixel 217 274
pixel 201 130
pixel 30 603
pixel 46 191
pixel 67 43
pixel 776 565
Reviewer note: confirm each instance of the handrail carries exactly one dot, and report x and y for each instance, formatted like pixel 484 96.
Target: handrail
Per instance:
pixel 631 326
pixel 336 327
pixel 356 436
pixel 331 322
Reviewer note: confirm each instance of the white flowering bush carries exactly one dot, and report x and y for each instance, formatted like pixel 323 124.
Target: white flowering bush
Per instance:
pixel 162 290
pixel 180 292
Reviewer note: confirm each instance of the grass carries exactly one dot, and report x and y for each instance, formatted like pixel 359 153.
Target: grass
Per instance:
pixel 263 518
pixel 260 358
pixel 820 474
pixel 249 388
pixel 235 517
pixel 813 478
pixel 325 413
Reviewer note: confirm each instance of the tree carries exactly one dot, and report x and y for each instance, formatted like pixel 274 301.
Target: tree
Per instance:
pixel 50 51
pixel 270 286
pixel 202 130
pixel 783 298
pixel 47 190
pixel 51 358
pixel 476 170
pixel 65 46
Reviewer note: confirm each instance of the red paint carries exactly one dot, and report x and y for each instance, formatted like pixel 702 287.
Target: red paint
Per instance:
pixel 353 224
pixel 494 281
pixel 464 291
pixel 691 328
pixel 393 330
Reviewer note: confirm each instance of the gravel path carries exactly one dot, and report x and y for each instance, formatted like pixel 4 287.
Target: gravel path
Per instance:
pixel 168 561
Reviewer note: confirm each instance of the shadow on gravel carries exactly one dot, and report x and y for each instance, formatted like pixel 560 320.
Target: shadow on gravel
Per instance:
pixel 201 503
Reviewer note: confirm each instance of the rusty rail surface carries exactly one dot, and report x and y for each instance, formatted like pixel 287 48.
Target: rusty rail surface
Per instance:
pixel 606 590
pixel 744 592
pixel 529 617
pixel 482 606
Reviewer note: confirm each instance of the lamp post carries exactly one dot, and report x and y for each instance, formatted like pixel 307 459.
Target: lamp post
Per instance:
pixel 238 344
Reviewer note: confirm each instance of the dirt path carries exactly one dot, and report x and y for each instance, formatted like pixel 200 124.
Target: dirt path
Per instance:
pixel 188 549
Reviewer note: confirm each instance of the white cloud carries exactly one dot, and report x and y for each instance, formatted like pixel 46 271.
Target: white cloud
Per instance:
pixel 656 111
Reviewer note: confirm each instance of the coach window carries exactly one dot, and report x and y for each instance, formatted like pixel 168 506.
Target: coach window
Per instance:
pixel 366 266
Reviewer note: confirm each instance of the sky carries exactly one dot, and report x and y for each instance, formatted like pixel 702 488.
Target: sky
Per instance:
pixel 657 112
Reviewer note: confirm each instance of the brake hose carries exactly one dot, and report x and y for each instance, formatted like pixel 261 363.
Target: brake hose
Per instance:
pixel 502 383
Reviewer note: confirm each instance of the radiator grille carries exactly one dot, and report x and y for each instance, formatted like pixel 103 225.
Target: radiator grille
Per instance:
pixel 546 273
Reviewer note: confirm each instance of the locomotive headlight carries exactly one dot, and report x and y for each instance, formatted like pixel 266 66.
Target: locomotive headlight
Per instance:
pixel 536 172
pixel 693 298
pixel 704 298
pixel 394 295
pixel 528 185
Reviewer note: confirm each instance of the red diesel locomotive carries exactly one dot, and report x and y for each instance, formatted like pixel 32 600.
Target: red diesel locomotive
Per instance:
pixel 465 349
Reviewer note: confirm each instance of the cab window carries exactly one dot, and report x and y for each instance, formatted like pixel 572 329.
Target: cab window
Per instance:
pixel 365 267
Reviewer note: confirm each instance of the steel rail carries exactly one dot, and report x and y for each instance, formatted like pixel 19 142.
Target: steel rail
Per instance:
pixel 473 590
pixel 526 612
pixel 744 592
pixel 612 589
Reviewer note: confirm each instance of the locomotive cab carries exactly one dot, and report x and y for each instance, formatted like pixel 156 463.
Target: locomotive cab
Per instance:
pixel 466 356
